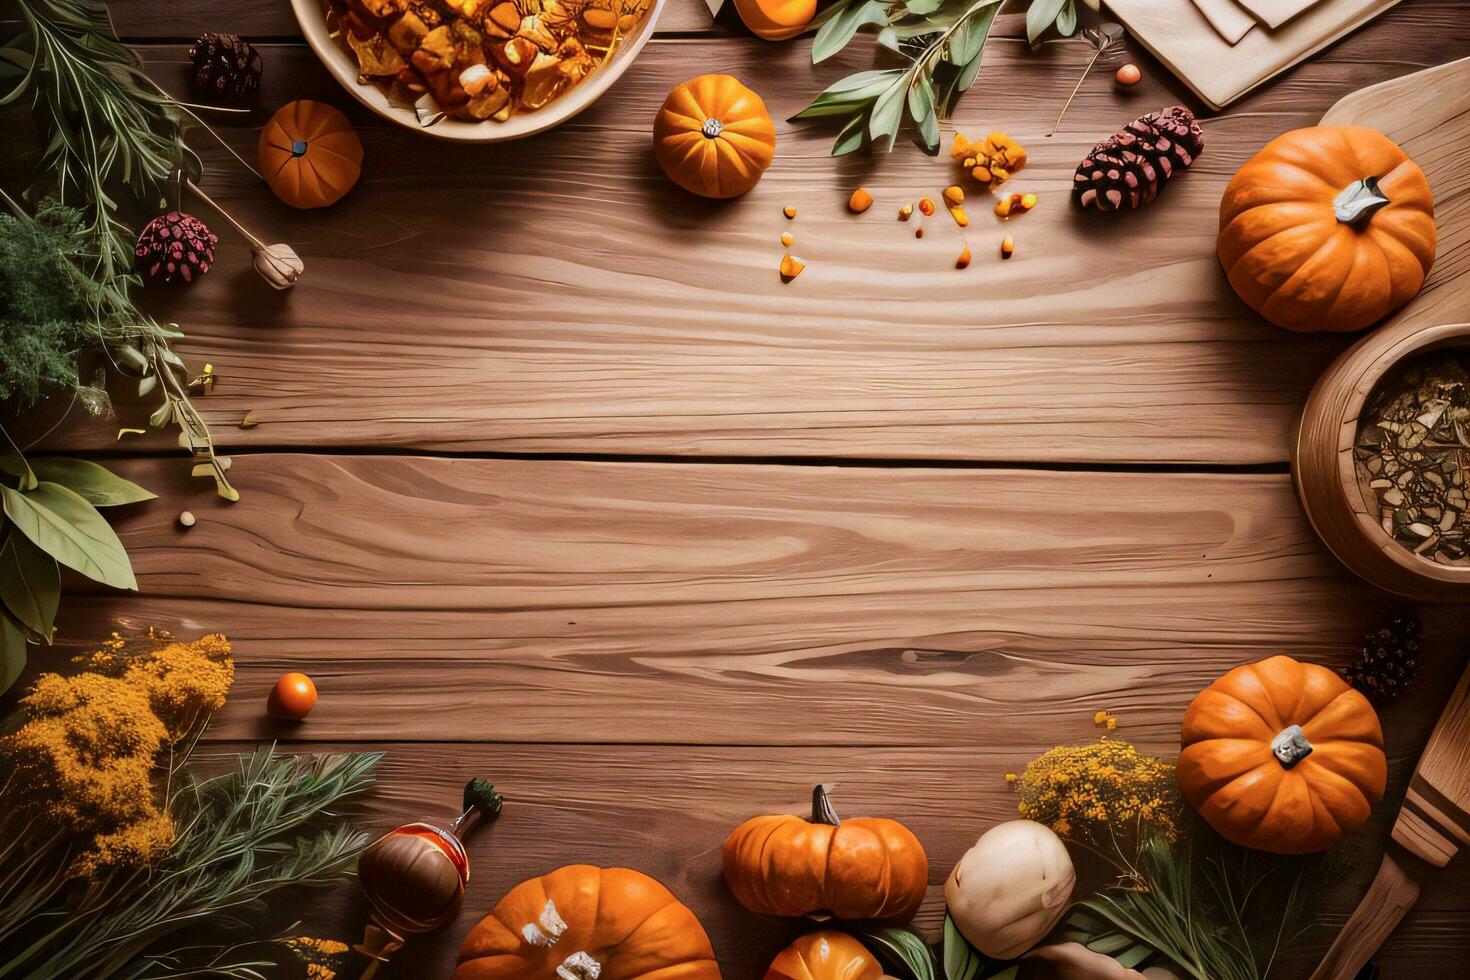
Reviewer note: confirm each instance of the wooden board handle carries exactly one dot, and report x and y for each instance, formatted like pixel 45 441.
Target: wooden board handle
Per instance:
pixel 1392 893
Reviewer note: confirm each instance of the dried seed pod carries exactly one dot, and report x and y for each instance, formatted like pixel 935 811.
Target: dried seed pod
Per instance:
pixel 278 264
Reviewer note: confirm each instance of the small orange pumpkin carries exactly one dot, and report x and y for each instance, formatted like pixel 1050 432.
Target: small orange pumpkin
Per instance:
pixel 826 955
pixel 865 868
pixel 1327 228
pixel 1282 756
pixel 309 154
pixel 714 137
pixel 776 20
pixel 588 923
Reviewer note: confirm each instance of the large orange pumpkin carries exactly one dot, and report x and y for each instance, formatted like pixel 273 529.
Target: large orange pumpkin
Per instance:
pixel 586 923
pixel 826 955
pixel 865 868
pixel 714 137
pixel 1327 228
pixel 309 154
pixel 1282 756
pixel 776 20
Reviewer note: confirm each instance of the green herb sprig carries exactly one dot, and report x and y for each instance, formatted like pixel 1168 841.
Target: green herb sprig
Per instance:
pixel 112 138
pixel 942 43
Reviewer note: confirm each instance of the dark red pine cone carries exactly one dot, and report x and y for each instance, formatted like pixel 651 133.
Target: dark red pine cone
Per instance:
pixel 1128 169
pixel 226 67
pixel 175 244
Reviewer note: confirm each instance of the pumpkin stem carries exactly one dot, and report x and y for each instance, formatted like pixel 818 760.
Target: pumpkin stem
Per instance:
pixel 711 128
pixel 1357 202
pixel 822 809
pixel 1290 746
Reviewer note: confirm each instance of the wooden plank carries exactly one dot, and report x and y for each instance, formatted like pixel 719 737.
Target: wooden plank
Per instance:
pixel 729 604
pixel 666 810
pixel 487 331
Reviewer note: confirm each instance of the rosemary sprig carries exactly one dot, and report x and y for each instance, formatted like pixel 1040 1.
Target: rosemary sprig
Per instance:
pixel 941 40
pixel 112 139
pixel 240 837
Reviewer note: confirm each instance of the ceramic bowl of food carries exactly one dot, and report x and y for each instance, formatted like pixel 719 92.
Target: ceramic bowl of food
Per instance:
pixel 1381 460
pixel 486 71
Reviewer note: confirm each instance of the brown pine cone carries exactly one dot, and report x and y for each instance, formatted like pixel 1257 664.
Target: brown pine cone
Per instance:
pixel 1388 659
pixel 175 244
pixel 225 66
pixel 1128 169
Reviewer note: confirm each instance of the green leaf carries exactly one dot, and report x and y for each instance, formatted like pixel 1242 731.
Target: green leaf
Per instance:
pixel 30 584
pixel 961 961
pixel 70 530
pixel 846 95
pixel 97 485
pixel 851 136
pixel 12 652
pixel 902 946
pixel 922 8
pixel 12 461
pixel 1067 19
pixel 1041 15
pixel 835 34
pixel 971 38
pixel 887 115
pixel 921 110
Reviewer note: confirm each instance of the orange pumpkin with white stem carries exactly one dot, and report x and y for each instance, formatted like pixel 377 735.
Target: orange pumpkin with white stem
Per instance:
pixel 1327 228
pixel 776 20
pixel 713 136
pixel 587 923
pixel 1282 756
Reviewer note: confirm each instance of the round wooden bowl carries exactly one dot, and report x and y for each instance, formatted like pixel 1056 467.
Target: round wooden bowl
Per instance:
pixel 313 20
pixel 1322 466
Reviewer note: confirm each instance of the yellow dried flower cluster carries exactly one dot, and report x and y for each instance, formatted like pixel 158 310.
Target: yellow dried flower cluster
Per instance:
pixel 86 754
pixel 1100 792
pixel 322 957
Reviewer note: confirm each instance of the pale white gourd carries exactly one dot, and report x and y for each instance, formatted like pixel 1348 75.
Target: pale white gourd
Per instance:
pixel 1009 890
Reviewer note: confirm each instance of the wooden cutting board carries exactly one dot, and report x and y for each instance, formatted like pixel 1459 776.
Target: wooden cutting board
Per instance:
pixel 1428 114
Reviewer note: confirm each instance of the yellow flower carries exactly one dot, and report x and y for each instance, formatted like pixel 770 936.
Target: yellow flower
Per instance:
pixel 1101 791
pixel 90 743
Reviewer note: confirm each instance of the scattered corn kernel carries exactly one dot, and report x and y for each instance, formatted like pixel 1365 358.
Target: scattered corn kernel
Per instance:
pixel 186 519
pixel 787 238
pixel 789 211
pixel 963 262
pixel 960 217
pixel 954 195
pixel 919 232
pixel 791 267
pixel 906 212
pixel 926 205
pixel 1128 74
pixel 1007 247
pixel 860 201
pixel 1011 205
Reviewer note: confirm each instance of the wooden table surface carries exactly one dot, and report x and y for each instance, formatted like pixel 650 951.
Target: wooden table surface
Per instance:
pixel 557 484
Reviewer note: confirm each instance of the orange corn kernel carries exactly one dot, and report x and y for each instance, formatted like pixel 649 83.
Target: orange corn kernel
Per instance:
pixel 1014 204
pixel 1007 247
pixel 991 161
pixel 791 267
pixel 787 238
pixel 963 262
pixel 926 206
pixel 789 211
pixel 960 217
pixel 954 195
pixel 906 212
pixel 860 201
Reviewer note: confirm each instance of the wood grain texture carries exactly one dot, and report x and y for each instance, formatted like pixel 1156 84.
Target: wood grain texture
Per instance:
pixel 540 297
pixel 731 604
pixel 666 810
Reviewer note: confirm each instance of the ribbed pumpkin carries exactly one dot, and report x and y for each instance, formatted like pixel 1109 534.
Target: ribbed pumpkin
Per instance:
pixel 309 154
pixel 714 137
pixel 1282 756
pixel 825 955
pixel 776 20
pixel 865 868
pixel 587 923
pixel 1327 228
